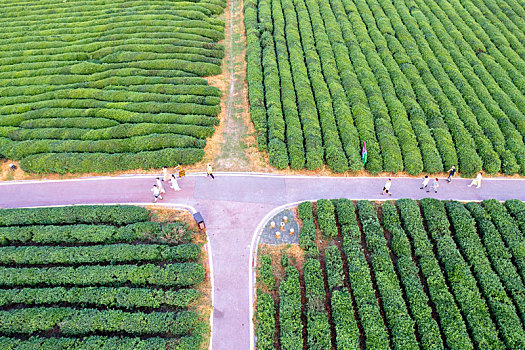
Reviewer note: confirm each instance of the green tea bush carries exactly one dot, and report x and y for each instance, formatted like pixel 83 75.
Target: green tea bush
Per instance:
pixel 266 272
pixel 499 303
pixel 265 326
pixel 114 253
pixel 85 321
pixel 62 163
pixel 433 86
pixel 133 144
pixel 317 326
pixel 326 217
pixel 83 271
pixel 465 287
pixel 396 313
pixel 122 297
pixel 58 232
pixel 92 214
pixel 108 69
pixel 290 324
pixel 92 342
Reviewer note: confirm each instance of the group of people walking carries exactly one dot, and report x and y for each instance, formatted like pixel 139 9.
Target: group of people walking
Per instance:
pixel 158 187
pixel 435 184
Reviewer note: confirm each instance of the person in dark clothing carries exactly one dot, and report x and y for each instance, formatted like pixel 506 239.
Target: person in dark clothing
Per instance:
pixel 451 173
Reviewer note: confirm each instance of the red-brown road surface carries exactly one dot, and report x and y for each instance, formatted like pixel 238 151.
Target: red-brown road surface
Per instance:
pixel 232 206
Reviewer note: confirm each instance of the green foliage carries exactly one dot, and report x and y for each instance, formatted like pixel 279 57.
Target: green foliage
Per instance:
pixel 113 253
pixel 434 85
pixel 306 103
pixel 347 333
pixel 179 274
pixel 408 271
pixel 92 214
pixel 499 303
pixel 499 255
pixel 399 321
pixel 284 260
pixel 276 124
pixel 63 163
pixel 121 297
pixel 462 281
pixel 305 210
pixel 430 275
pixel 307 233
pixel 452 324
pixel 318 328
pixel 453 45
pixel 266 272
pixel 78 322
pixel 254 73
pixel 294 133
pixel 87 78
pixel 326 217
pixel 290 324
pixel 265 321
pixel 105 270
pixel 91 343
pixel 517 209
pixel 175 233
pixel 345 212
pixel 334 267
pixel 509 231
pixel 135 144
pixel 360 281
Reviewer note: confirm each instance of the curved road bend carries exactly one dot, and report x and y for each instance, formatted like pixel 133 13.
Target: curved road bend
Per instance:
pixel 232 206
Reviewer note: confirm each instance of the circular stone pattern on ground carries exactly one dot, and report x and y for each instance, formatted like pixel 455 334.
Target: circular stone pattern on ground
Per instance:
pixel 268 233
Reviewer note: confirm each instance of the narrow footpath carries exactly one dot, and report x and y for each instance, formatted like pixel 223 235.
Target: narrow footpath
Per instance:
pixel 232 206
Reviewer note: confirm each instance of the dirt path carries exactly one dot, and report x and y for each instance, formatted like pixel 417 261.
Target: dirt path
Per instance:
pixel 236 149
pixel 232 206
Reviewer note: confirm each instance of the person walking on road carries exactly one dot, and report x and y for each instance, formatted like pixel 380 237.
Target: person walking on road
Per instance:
pixel 477 180
pixel 434 186
pixel 386 187
pixel 424 184
pixel 174 183
pixel 165 175
pixel 156 193
pixel 451 173
pixel 160 186
pixel 209 170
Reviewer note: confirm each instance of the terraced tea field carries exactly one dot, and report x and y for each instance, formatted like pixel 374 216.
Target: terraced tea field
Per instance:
pixel 425 84
pixel 96 86
pixel 398 275
pixel 88 277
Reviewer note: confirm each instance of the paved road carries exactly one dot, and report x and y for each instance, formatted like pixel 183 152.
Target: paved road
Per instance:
pixel 232 206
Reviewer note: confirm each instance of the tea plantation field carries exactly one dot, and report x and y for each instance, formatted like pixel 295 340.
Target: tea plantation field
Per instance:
pixel 398 275
pixel 425 84
pixel 90 277
pixel 101 86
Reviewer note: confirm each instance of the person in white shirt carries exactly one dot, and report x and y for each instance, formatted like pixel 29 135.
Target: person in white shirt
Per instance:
pixel 159 185
pixel 426 179
pixel 174 183
pixel 156 193
pixel 435 185
pixel 477 180
pixel 386 188
pixel 165 174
